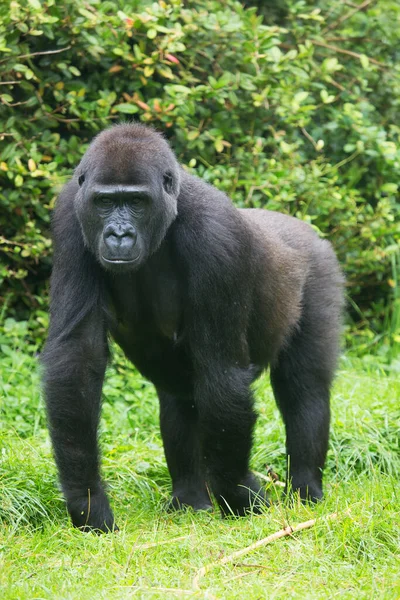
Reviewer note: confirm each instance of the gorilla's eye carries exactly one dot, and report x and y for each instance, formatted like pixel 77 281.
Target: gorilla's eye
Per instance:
pixel 81 179
pixel 168 182
pixel 104 201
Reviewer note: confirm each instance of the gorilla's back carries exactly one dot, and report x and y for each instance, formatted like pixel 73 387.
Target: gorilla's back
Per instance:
pixel 293 232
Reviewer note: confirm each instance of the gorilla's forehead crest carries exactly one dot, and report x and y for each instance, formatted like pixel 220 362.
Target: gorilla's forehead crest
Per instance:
pixel 126 153
pixel 133 132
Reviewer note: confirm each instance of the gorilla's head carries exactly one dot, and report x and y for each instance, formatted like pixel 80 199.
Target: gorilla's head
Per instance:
pixel 127 199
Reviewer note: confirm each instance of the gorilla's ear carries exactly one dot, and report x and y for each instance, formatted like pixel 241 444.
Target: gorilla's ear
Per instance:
pixel 168 182
pixel 81 179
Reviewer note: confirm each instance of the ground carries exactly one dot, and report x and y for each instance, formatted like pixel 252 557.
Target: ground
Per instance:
pixel 156 554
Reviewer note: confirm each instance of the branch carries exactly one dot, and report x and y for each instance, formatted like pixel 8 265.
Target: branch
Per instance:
pixel 310 138
pixel 346 160
pixel 349 53
pixel 3 240
pixel 36 54
pixel 259 544
pixel 14 103
pixel 44 52
pixel 348 15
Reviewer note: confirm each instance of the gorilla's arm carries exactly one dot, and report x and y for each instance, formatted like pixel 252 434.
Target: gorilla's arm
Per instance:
pixel 75 359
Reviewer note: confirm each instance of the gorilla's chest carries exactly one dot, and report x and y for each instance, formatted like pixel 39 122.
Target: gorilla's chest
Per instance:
pixel 146 321
pixel 145 309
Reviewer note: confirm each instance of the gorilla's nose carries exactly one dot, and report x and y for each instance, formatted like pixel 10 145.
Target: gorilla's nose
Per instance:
pixel 120 238
pixel 116 235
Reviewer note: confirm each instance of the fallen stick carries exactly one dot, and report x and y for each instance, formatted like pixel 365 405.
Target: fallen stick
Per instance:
pixel 263 542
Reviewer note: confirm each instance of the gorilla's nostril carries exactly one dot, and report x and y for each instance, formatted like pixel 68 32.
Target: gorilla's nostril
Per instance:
pixel 130 232
pixel 119 232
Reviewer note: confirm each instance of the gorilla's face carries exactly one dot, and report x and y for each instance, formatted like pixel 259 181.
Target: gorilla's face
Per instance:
pixel 123 213
pixel 127 199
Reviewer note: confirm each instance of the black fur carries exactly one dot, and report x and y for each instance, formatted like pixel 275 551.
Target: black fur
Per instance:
pixel 202 297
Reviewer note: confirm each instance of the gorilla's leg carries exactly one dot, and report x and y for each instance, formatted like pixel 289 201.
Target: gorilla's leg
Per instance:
pixel 73 382
pixel 178 420
pixel 301 381
pixel 227 421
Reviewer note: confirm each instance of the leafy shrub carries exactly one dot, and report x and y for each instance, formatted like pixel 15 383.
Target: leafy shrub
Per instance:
pixel 297 112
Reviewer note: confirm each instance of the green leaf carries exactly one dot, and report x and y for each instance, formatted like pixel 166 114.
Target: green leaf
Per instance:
pixel 331 64
pixel 126 108
pixel 181 89
pixel 390 188
pixel 151 34
pixel 300 96
pixel 364 60
pixel 137 52
pixel 74 70
pixel 326 98
pixel 192 135
pixel 274 53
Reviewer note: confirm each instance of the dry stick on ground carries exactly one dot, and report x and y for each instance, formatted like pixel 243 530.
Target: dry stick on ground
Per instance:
pixel 263 542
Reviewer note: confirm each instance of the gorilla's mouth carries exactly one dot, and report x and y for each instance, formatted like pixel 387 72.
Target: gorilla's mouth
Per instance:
pixel 120 261
pixel 120 265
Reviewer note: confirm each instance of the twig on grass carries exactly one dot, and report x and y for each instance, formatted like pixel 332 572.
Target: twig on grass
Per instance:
pixel 259 544
pixel 269 478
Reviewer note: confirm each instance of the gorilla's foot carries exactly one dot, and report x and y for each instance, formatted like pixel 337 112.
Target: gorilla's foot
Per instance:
pixel 91 512
pixel 308 492
pixel 190 498
pixel 246 497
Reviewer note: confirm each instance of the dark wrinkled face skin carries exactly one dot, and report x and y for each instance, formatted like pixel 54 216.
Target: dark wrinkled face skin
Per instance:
pixel 121 214
pixel 126 201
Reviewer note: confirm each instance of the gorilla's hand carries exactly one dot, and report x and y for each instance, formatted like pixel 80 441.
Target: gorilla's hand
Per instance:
pixel 91 512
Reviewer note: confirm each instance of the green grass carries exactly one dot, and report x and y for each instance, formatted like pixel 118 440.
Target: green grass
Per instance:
pixel 156 554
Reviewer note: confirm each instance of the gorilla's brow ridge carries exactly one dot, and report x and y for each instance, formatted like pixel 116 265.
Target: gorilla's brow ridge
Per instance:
pixel 113 189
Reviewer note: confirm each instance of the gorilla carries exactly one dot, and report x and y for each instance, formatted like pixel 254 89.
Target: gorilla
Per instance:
pixel 201 296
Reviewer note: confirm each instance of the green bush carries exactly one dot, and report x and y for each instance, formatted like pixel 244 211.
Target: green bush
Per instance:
pixel 296 110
